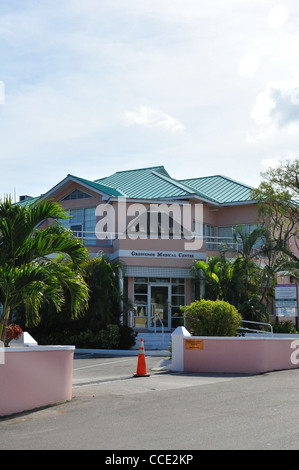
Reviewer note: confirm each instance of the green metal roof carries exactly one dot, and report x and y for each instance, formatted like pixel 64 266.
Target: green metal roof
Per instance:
pixel 146 183
pixel 156 183
pixel 220 188
pixel 111 191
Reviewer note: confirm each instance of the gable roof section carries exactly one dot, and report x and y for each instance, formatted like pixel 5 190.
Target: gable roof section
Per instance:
pixel 220 188
pixel 156 183
pixel 103 188
pixel 146 183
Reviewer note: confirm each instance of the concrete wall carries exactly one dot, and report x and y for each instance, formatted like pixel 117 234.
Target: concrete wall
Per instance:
pixel 32 377
pixel 232 354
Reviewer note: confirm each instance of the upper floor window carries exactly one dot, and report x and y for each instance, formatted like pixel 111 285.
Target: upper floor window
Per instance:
pixel 82 222
pixel 225 235
pixel 76 194
pixel 156 224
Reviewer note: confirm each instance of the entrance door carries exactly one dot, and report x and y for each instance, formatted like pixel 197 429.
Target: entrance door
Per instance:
pixel 159 298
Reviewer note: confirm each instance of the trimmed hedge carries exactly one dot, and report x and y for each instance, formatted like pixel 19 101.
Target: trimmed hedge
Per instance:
pixel 212 318
pixel 111 337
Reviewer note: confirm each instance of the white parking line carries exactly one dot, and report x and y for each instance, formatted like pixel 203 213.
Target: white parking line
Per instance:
pixel 105 364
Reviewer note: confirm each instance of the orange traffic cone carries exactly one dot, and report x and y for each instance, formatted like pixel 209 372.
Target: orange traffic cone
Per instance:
pixel 141 366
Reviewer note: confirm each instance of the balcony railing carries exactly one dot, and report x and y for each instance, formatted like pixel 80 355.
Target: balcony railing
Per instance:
pixel 105 239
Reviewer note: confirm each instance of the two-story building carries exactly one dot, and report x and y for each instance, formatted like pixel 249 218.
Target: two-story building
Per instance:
pixel 156 227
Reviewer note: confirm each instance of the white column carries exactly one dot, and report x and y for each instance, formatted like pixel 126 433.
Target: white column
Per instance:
pixel 177 338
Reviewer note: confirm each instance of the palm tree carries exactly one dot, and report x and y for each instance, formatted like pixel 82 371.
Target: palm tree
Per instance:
pixel 29 274
pixel 206 272
pixel 233 280
pixel 249 246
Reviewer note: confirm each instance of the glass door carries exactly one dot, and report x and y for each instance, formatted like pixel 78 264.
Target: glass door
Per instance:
pixel 159 308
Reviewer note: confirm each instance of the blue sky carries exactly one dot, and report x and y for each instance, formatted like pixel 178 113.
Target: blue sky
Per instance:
pixel 96 86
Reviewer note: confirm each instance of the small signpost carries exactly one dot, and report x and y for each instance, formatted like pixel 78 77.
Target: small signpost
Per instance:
pixel 286 302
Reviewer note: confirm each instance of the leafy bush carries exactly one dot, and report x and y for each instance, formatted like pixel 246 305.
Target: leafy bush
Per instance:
pixel 253 310
pixel 127 337
pixel 285 326
pixel 212 318
pixel 111 337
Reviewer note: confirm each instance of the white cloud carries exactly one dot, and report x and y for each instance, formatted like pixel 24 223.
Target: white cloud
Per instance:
pixel 277 109
pixel 248 65
pixel 277 16
pixel 71 69
pixel 270 162
pixel 153 118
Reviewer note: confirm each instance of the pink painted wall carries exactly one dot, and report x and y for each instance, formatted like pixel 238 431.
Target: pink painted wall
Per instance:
pixel 34 377
pixel 240 355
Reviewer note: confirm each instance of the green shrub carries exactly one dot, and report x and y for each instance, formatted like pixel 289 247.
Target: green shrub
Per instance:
pixel 285 326
pixel 111 337
pixel 212 318
pixel 253 310
pixel 127 337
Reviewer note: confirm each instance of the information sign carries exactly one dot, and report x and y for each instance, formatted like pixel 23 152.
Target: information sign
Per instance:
pixel 286 299
pixel 193 344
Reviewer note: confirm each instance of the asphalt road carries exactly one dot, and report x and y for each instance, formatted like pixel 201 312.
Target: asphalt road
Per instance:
pixel 111 410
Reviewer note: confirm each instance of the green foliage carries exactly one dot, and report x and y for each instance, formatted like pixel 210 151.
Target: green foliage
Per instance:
pixel 241 280
pixel 127 337
pixel 285 326
pixel 253 310
pixel 99 328
pixel 102 278
pixel 212 318
pixel 278 198
pixel 29 275
pixel 110 337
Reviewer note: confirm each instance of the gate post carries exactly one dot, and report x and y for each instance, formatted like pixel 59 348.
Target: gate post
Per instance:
pixel 177 338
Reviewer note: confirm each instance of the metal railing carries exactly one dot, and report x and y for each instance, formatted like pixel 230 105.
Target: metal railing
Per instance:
pixel 214 242
pixel 251 330
pixel 219 244
pixel 156 315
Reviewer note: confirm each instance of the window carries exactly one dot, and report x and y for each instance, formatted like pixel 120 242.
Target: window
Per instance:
pixel 177 300
pixel 82 222
pixel 89 226
pixel 155 224
pixel 209 235
pixel 76 194
pixel 140 302
pixel 226 234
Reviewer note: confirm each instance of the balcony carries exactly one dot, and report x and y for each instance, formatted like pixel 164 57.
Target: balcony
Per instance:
pixel 204 244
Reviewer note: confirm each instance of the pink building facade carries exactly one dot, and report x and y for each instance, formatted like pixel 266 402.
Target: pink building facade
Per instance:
pixel 157 227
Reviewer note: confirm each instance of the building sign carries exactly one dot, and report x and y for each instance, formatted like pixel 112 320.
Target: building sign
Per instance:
pixel 193 344
pixel 286 300
pixel 179 255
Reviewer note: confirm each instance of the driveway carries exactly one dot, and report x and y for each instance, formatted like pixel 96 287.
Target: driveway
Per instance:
pixel 112 411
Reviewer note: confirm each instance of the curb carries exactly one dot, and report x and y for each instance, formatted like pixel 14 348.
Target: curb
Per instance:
pixel 121 352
